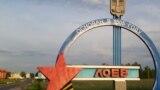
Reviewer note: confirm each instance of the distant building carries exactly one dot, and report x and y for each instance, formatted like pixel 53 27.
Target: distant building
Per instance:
pixel 40 76
pixel 3 74
pixel 28 75
pixel 16 76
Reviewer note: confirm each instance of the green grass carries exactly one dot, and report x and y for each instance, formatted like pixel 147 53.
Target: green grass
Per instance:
pixel 93 85
pixel 37 85
pixel 8 81
pixel 33 86
pixel 144 84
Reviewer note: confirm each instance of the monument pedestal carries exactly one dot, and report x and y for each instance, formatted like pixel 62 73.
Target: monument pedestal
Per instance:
pixel 120 85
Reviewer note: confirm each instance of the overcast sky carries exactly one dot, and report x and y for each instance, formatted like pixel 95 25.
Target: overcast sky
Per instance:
pixel 32 32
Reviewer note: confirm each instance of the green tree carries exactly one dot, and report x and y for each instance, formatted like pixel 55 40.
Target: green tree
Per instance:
pixel 32 75
pixel 8 75
pixel 152 73
pixel 147 72
pixel 136 64
pixel 128 64
pixel 36 74
pixel 23 74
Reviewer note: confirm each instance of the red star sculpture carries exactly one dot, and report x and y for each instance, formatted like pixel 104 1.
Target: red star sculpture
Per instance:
pixel 59 75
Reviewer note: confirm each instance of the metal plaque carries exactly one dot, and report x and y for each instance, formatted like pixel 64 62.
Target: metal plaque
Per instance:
pixel 117 7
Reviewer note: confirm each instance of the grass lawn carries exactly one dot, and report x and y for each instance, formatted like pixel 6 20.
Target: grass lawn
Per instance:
pixel 8 81
pixel 144 84
pixel 37 85
pixel 93 85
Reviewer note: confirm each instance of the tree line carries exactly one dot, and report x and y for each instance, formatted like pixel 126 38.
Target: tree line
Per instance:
pixel 144 72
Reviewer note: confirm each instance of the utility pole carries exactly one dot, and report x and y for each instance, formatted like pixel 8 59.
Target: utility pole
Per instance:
pixel 117 9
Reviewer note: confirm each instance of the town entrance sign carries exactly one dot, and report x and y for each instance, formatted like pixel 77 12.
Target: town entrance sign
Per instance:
pixel 61 74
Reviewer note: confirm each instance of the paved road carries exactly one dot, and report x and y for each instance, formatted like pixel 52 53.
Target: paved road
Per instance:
pixel 17 86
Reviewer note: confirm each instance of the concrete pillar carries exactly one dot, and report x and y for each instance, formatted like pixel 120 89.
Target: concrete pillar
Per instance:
pixel 120 85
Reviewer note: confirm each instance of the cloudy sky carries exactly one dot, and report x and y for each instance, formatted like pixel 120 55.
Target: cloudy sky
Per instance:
pixel 32 32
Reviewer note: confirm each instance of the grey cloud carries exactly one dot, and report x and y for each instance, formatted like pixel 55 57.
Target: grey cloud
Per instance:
pixel 32 53
pixel 154 32
pixel 5 52
pixel 92 4
pixel 21 53
pixel 25 60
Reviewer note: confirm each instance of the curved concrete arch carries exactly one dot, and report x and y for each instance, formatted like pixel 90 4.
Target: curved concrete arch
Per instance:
pixel 123 24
